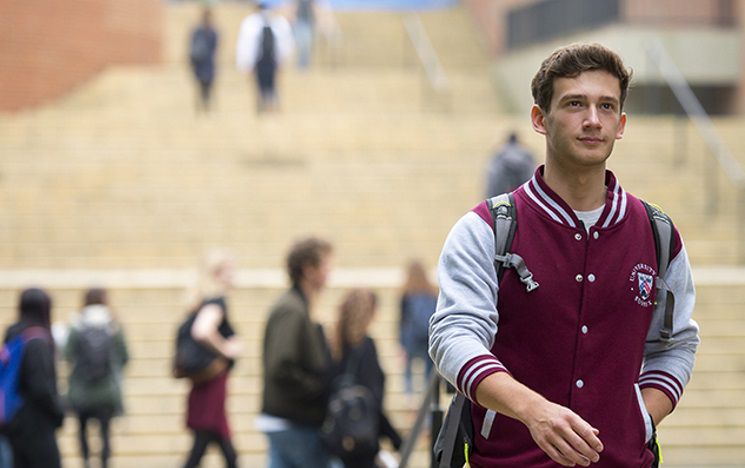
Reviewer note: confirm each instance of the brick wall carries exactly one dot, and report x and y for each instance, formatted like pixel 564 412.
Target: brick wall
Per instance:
pixel 47 47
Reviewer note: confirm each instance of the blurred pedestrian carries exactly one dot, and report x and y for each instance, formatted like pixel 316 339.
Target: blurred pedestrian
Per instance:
pixel 202 48
pixel 210 327
pixel 304 28
pixel 511 166
pixel 297 363
pixel 418 303
pixel 97 352
pixel 264 44
pixel 355 352
pixel 31 432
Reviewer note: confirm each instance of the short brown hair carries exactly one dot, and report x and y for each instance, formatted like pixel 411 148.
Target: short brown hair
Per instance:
pixel 568 62
pixel 95 296
pixel 306 252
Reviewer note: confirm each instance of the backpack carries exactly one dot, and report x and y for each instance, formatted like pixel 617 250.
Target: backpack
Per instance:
pixel 351 426
pixel 200 47
pixel 94 353
pixel 455 440
pixel 11 358
pixel 420 308
pixel 267 45
pixel 192 359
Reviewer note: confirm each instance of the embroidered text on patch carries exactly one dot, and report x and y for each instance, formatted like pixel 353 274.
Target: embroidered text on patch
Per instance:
pixel 642 284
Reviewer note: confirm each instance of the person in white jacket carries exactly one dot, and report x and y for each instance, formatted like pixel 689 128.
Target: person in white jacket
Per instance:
pixel 264 43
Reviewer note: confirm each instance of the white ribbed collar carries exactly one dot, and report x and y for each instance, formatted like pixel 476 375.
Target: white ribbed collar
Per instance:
pixel 547 201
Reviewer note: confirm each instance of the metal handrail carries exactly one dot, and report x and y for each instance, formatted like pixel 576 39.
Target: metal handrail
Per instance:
pixel 695 112
pixel 426 53
pixel 430 404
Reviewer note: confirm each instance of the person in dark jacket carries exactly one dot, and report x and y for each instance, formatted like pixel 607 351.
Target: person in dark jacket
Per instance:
pixel 353 344
pixel 511 166
pixel 296 363
pixel 31 433
pixel 202 48
pixel 95 389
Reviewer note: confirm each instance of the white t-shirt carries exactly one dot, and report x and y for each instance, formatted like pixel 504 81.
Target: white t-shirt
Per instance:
pixel 247 48
pixel 589 218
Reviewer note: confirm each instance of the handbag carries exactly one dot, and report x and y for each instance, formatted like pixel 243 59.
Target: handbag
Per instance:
pixel 193 360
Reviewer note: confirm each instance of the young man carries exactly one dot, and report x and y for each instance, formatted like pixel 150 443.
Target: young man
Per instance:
pixel 297 363
pixel 554 373
pixel 202 50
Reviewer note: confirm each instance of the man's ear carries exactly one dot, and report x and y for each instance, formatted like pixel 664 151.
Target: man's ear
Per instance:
pixel 538 119
pixel 621 126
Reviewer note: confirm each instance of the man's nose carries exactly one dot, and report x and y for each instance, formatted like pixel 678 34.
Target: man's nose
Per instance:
pixel 592 119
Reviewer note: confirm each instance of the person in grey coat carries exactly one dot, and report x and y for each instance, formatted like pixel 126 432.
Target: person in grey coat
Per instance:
pixel 510 167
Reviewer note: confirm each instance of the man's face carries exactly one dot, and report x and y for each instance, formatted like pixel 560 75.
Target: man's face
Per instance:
pixel 584 119
pixel 226 274
pixel 317 276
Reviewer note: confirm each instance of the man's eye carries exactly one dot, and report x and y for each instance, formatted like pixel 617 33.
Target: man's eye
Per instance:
pixel 608 106
pixel 574 103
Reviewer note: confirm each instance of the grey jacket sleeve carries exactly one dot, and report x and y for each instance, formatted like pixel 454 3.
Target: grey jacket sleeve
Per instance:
pixel 668 365
pixel 464 326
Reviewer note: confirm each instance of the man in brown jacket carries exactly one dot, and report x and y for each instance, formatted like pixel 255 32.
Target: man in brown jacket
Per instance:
pixel 296 363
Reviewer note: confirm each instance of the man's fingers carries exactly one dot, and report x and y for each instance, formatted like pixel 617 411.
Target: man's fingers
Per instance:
pixel 581 446
pixel 589 435
pixel 570 453
pixel 556 455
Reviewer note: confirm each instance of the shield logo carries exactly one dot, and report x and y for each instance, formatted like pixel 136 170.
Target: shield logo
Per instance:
pixel 645 286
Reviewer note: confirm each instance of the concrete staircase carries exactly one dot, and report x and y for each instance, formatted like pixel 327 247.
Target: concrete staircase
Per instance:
pixel 123 175
pixel 704 431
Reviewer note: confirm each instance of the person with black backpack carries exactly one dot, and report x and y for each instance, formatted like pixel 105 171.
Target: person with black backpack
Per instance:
pixel 31 406
pixel 211 338
pixel 571 332
pixel 264 43
pixel 356 419
pixel 97 352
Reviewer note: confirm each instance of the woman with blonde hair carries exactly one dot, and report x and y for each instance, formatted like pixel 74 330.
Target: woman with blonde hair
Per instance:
pixel 208 325
pixel 354 352
pixel 418 303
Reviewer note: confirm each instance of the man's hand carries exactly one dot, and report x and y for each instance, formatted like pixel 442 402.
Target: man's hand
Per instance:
pixel 565 437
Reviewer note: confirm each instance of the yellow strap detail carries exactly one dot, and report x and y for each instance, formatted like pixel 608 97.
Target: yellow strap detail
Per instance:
pixel 655 205
pixel 465 455
pixel 659 448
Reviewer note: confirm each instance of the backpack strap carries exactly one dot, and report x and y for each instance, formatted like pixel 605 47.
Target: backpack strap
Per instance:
pixel 664 241
pixel 35 332
pixel 504 214
pixel 450 436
